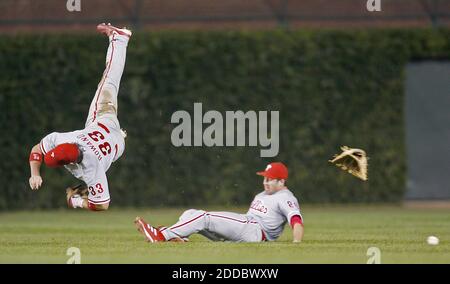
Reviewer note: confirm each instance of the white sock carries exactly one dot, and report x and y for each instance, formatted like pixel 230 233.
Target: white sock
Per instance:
pixel 77 201
pixel 168 234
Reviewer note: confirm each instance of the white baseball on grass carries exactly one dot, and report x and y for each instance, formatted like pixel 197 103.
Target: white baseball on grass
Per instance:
pixel 432 240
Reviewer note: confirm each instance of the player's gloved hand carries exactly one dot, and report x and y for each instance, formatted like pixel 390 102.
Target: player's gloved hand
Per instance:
pixel 35 182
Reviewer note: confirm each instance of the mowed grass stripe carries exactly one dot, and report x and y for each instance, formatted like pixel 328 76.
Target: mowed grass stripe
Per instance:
pixel 333 234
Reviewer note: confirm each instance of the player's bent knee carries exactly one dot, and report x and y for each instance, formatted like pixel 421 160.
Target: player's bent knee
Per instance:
pixel 107 103
pixel 188 214
pixel 98 207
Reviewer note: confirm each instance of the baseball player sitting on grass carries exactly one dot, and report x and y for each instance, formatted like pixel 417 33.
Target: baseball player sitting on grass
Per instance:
pixel 264 221
pixel 88 153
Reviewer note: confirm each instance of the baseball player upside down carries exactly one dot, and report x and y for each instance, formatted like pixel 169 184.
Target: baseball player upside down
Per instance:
pixel 87 154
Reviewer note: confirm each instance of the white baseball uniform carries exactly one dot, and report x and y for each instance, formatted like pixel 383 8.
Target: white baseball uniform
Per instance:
pixel 272 211
pixel 101 141
pixel 265 220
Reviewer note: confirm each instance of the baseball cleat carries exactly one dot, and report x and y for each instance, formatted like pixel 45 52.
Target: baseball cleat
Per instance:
pixel 151 234
pixel 108 30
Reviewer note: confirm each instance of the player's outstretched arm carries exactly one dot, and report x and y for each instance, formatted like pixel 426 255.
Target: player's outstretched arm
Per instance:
pixel 35 166
pixel 297 228
pixel 297 232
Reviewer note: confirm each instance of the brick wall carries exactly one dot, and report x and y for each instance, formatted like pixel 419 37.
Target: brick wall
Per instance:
pixel 49 15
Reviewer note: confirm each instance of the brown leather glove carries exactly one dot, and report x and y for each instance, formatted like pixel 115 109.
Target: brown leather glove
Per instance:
pixel 354 161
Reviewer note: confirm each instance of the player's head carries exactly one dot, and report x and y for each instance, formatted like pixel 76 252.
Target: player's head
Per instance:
pixel 63 154
pixel 275 176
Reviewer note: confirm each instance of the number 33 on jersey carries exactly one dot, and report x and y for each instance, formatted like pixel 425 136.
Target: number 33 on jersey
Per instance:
pixel 100 145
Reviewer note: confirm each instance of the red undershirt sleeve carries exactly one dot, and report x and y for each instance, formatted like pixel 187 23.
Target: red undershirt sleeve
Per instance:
pixel 296 219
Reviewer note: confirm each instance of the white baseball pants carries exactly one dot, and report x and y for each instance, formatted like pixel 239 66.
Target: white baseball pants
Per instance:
pixel 216 226
pixel 105 99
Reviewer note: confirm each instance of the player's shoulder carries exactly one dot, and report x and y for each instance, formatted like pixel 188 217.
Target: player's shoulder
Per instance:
pixel 286 193
pixel 260 194
pixel 61 134
pixel 50 139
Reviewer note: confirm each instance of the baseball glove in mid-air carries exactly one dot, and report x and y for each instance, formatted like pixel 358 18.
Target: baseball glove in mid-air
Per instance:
pixel 354 161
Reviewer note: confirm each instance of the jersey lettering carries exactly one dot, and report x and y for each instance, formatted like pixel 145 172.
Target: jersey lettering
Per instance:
pixel 293 204
pixel 105 148
pixel 96 136
pixel 272 211
pixel 98 189
pixel 258 206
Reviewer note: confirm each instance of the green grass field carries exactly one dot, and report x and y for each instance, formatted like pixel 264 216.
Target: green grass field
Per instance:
pixel 332 235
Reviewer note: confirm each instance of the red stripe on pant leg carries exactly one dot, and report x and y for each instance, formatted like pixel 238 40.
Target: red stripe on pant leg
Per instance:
pixel 115 148
pixel 263 238
pixel 187 222
pixel 104 77
pixel 229 218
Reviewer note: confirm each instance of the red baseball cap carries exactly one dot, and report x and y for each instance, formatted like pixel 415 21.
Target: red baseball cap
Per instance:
pixel 61 155
pixel 275 170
